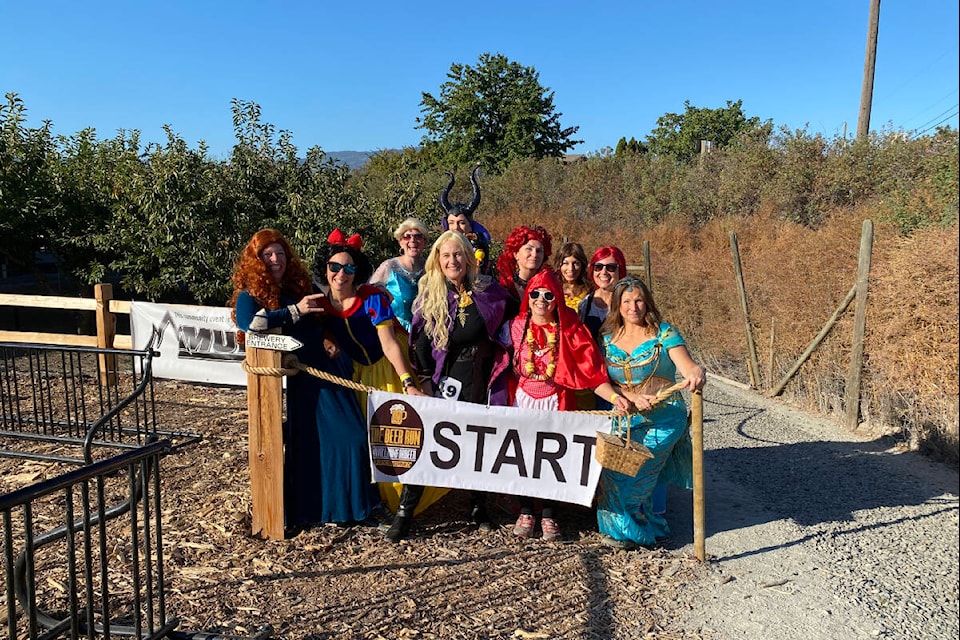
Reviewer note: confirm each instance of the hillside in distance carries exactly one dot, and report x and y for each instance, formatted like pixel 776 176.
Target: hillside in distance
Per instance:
pixel 353 159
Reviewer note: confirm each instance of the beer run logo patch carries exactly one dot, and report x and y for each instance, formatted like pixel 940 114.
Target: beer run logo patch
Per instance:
pixel 396 437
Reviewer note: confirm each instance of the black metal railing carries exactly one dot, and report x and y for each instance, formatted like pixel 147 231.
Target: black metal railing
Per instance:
pixel 97 568
pixel 60 399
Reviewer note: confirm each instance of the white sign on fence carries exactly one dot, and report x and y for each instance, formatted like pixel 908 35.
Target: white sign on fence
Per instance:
pixel 274 341
pixel 461 445
pixel 196 344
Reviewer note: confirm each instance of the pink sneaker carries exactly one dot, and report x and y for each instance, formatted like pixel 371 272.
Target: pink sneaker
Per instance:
pixel 525 525
pixel 551 530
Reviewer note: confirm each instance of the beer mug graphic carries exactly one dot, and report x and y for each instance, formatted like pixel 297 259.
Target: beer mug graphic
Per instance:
pixel 398 413
pixel 396 437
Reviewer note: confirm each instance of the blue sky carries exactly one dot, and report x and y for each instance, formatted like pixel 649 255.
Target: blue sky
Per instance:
pixel 349 75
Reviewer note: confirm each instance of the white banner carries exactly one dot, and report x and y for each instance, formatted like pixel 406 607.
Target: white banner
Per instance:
pixel 461 445
pixel 196 344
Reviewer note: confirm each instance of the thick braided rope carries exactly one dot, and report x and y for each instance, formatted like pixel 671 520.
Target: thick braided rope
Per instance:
pixel 293 366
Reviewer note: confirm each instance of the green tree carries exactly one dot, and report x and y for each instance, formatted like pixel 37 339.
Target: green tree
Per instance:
pixel 629 147
pixel 494 113
pixel 678 136
pixel 26 188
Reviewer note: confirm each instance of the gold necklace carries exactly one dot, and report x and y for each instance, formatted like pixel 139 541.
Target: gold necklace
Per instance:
pixel 464 300
pixel 529 367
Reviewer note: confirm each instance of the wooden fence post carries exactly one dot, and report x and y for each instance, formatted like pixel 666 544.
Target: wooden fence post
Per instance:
pixel 647 273
pixel 852 391
pixel 265 442
pixel 699 504
pixel 106 332
pixel 815 343
pixel 752 366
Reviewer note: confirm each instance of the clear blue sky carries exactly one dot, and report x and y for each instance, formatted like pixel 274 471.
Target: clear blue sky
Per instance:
pixel 349 75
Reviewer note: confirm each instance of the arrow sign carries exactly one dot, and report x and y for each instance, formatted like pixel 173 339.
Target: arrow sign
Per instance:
pixel 274 341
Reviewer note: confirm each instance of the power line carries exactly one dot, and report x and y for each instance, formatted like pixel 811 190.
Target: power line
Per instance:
pixel 954 112
pixel 938 116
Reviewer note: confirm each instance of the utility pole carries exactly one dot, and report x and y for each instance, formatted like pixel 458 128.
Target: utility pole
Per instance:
pixel 869 66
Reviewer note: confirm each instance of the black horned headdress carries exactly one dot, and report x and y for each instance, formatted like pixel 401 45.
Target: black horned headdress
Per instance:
pixel 459 208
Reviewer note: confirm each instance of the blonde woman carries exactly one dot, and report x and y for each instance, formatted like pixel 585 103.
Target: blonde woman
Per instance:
pixel 454 348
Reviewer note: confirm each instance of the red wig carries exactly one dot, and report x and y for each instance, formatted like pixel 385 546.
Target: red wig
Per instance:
pixel 250 272
pixel 507 262
pixel 602 254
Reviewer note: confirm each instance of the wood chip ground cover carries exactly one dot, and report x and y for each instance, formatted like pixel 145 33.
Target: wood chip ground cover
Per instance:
pixel 447 581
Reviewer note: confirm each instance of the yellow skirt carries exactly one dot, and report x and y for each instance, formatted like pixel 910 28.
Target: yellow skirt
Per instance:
pixel 381 375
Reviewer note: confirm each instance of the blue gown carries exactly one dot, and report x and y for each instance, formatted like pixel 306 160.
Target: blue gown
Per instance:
pixel 326 456
pixel 625 504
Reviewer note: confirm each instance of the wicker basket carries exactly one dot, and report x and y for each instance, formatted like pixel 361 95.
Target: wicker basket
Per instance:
pixel 620 454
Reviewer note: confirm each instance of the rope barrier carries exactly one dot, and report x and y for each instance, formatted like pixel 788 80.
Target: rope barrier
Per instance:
pixel 293 366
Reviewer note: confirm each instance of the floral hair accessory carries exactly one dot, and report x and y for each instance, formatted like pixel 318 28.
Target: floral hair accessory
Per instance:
pixel 337 237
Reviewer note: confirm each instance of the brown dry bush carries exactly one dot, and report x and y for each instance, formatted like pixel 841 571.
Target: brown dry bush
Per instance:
pixel 913 339
pixel 795 279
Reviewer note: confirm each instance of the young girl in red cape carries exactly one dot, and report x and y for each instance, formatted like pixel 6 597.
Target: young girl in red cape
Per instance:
pixel 554 355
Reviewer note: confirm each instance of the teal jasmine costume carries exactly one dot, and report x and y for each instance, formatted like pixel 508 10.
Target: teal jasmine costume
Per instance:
pixel 624 503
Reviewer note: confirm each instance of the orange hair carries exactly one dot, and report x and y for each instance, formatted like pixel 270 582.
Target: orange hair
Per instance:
pixel 250 272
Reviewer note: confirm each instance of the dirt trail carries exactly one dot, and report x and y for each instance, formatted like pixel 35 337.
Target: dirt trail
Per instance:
pixel 816 533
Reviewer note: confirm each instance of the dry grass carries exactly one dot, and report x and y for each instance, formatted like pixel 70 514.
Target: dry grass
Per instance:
pixel 795 278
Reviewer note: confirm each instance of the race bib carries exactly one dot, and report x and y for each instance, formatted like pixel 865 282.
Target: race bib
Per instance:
pixel 449 388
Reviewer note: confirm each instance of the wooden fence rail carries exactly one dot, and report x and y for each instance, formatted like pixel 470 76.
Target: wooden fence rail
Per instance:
pixel 102 304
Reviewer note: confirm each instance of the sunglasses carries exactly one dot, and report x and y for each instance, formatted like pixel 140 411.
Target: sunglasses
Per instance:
pixel 547 295
pixel 413 236
pixel 335 267
pixel 610 268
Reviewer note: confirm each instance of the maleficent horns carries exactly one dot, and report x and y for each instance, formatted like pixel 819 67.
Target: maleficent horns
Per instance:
pixel 458 208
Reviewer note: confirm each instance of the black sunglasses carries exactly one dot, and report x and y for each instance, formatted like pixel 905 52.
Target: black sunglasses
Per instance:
pixel 413 236
pixel 547 295
pixel 610 268
pixel 336 266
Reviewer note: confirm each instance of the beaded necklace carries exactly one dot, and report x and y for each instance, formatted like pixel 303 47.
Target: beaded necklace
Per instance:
pixel 550 331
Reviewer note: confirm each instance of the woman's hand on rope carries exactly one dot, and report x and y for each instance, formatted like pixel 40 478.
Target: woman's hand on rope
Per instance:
pixel 621 404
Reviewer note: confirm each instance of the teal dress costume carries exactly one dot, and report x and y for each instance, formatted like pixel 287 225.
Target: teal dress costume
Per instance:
pixel 402 286
pixel 326 456
pixel 625 504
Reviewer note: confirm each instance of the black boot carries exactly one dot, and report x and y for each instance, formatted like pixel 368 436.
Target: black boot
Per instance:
pixel 400 528
pixel 478 511
pixel 409 498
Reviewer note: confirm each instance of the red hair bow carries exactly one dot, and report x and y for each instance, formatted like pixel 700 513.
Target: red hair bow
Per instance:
pixel 337 237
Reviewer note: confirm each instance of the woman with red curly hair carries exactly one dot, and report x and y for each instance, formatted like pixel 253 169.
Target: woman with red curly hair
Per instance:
pixel 525 253
pixel 326 460
pixel 270 285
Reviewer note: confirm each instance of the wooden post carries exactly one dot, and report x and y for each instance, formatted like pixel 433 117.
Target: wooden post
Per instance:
pixel 265 442
pixel 852 392
pixel 770 358
pixel 815 342
pixel 699 509
pixel 647 273
pixel 752 366
pixel 869 69
pixel 106 332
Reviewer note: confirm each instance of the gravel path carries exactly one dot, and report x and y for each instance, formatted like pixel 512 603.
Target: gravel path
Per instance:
pixel 816 533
